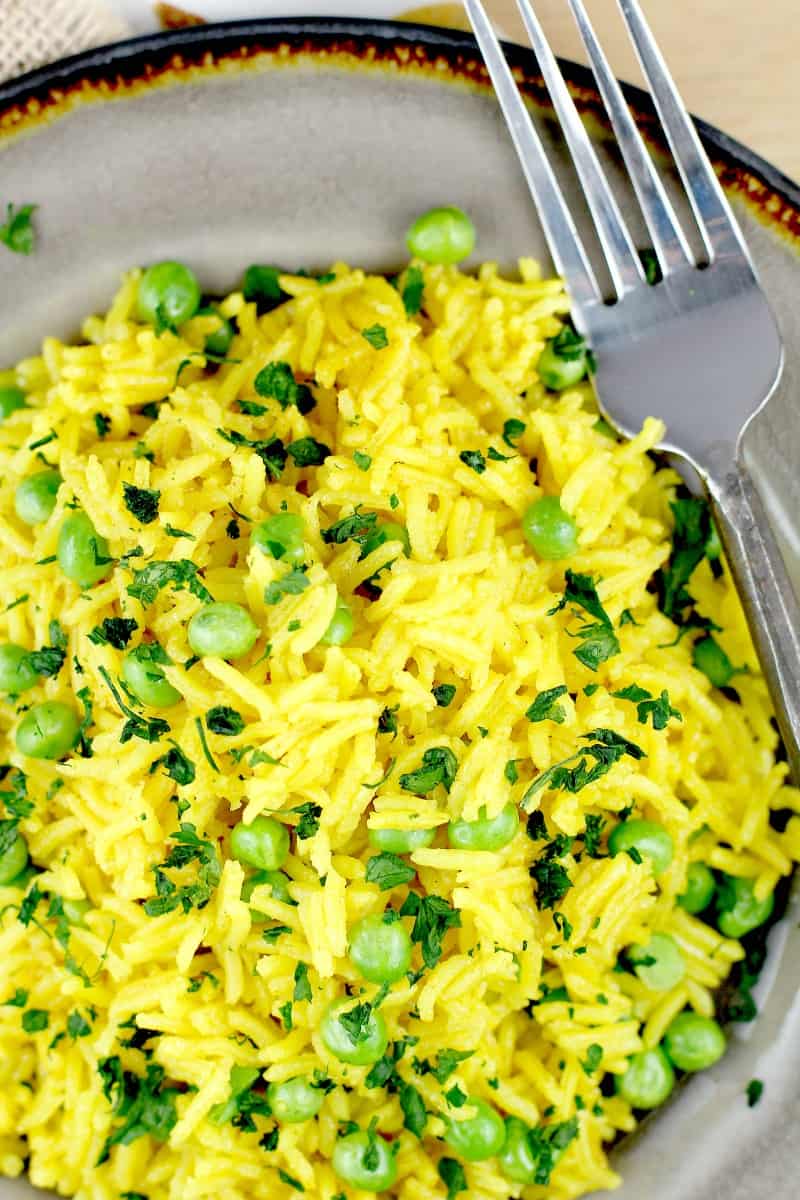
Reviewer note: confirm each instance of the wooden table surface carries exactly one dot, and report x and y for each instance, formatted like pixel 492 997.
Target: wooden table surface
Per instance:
pixel 737 62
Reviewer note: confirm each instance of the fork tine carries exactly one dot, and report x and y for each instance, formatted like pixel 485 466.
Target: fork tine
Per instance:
pixel 565 245
pixel 669 242
pixel 623 261
pixel 718 226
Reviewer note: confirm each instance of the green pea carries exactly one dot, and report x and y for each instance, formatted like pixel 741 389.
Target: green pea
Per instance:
pixel 551 532
pixel 700 885
pixel 168 294
pixel 341 626
pixel 401 841
pixel 13 860
pixel 294 1100
pixel 35 497
pixel 709 657
pixel 479 1137
pixel 659 964
pixel 223 630
pixel 648 1080
pixel 693 1043
pixel 387 531
pixel 82 553
pixel 365 1162
pixel 219 341
pixel 281 536
pixel 485 833
pixel 645 838
pixel 263 844
pixel 48 730
pixel 75 911
pixel 380 947
pixel 517 1160
pixel 738 910
pixel 441 235
pixel 11 399
pixel 338 1038
pixel 563 362
pixel 144 675
pixel 16 672
pixel 278 882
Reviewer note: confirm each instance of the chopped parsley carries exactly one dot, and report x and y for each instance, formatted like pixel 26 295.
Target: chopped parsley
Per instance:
pixel 18 1000
pixel 362 461
pixel 594 1056
pixel 172 532
pixel 387 721
pixel 17 232
pixel 251 409
pixel 415 1115
pixel 149 729
pixel 691 535
pixel 592 834
pixel 102 424
pixel 225 721
pixel 658 711
pixel 606 747
pixel 512 432
pixel 389 871
pixel 308 452
pixel 272 453
pixel 439 766
pixel 474 460
pixel 187 848
pixel 143 1105
pixel 443 694
pixel 290 1180
pixel 433 916
pixel 452 1175
pixel 308 825
pixel 177 766
pixel 141 503
pixel 412 291
pixel 34 1020
pixel 446 1063
pixel 179 573
pixel 78 1026
pixel 547 1143
pixel 291 584
pixel 546 708
pixel 552 882
pixel 376 336
pixel 359 527
pixel 261 285
pixel 302 986
pixel 276 381
pixel 114 631
pixel 599 640
pixel 755 1090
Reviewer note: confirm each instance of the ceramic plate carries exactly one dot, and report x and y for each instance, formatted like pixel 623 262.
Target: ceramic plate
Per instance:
pixel 298 142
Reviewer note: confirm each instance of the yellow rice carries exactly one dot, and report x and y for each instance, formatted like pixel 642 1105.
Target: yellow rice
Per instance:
pixel 469 607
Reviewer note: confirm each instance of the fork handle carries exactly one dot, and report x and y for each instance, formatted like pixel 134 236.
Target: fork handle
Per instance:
pixel 769 600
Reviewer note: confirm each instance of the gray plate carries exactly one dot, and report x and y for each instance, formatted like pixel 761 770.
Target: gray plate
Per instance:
pixel 300 142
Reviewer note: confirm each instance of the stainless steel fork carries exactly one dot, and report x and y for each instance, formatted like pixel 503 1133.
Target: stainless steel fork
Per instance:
pixel 700 349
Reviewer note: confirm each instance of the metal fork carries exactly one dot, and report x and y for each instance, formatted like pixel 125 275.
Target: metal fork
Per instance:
pixel 701 348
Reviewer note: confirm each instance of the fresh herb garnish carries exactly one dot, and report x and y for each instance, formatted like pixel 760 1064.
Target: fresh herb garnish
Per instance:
pixel 113 631
pixel 552 882
pixel 387 721
pixel 546 708
pixel 599 640
pixel 145 1106
pixel 443 694
pixel 187 848
pixel 34 1020
pixel 177 766
pixel 512 432
pixel 433 916
pixel 606 747
pixel 308 452
pixel 691 535
pixel 755 1090
pixel 359 527
pixel 291 584
pixel 474 460
pixel 439 766
pixel 272 453
pixel 102 424
pixel 179 573
pixel 658 711
pixel 302 986
pixel 172 532
pixel 389 871
pixel 412 291
pixel 362 461
pixel 376 336
pixel 276 381
pixel 17 232
pixel 224 720
pixel 141 503
pixel 308 825
pixel 149 729
pixel 452 1175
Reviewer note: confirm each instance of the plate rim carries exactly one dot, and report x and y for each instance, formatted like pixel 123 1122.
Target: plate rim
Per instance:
pixel 453 44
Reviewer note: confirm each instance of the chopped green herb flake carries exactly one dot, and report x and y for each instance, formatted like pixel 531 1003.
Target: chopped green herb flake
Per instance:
pixel 142 503
pixel 389 871
pixel 225 721
pixel 362 461
pixel 546 708
pixel 439 766
pixel 412 291
pixel 114 631
pixel 474 460
pixel 291 584
pixel 17 232
pixel 376 336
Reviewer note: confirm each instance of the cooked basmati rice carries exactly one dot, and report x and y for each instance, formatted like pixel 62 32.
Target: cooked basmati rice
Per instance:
pixel 202 990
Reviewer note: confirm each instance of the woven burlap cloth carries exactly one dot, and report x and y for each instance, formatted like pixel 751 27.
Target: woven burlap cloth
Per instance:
pixel 34 32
